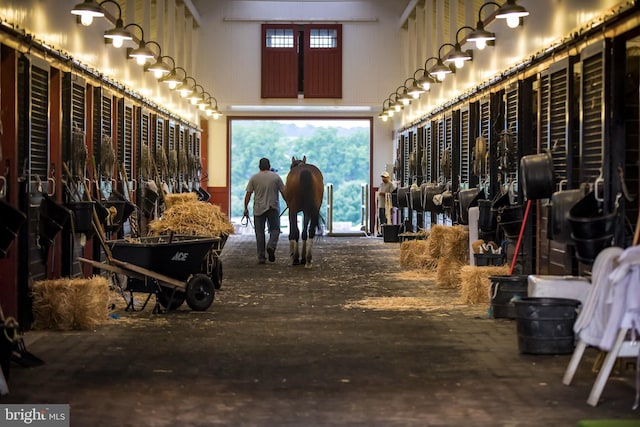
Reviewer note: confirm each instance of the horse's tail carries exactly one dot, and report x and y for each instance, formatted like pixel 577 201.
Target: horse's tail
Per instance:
pixel 309 203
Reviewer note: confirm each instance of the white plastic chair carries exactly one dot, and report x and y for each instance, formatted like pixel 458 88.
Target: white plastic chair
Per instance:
pixel 607 316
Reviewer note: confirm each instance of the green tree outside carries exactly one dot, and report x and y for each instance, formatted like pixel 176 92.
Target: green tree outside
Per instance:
pixel 341 153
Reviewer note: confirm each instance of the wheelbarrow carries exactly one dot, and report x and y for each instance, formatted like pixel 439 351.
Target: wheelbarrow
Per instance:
pixel 175 268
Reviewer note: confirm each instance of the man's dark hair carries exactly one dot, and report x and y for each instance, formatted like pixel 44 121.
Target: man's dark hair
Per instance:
pixel 264 164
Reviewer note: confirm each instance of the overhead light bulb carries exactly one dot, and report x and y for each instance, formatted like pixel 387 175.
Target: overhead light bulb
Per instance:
pixel 440 75
pixel 117 42
pixel 140 60
pixel 459 63
pixel 481 44
pixel 390 112
pixel 158 74
pixel 384 117
pixel 173 85
pixel 86 20
pixel 513 21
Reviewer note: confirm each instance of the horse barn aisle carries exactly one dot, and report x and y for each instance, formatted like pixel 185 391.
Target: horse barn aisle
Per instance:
pixel 288 346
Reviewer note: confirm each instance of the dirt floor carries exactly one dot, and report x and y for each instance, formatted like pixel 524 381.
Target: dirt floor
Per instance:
pixel 355 341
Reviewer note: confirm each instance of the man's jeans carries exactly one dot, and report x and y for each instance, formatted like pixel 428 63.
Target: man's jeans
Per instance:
pixel 272 219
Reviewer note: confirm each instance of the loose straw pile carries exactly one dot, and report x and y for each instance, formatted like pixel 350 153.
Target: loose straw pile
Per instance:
pixel 177 198
pixel 67 304
pixel 192 218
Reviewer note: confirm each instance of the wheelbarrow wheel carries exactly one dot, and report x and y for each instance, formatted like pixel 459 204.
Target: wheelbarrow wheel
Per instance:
pixel 200 292
pixel 165 298
pixel 216 274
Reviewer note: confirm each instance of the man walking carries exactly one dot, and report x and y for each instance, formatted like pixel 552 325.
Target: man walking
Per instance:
pixel 265 186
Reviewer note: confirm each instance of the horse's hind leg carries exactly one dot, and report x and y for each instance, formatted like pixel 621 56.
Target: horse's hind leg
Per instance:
pixel 294 234
pixel 307 243
pixel 309 257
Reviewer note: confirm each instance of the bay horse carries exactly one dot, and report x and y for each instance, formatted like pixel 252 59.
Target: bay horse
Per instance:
pixel 303 192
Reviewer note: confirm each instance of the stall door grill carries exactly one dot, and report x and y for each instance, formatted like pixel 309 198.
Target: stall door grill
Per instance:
pixel 511 115
pixel 464 146
pixel 107 115
pixel 39 155
pixel 544 112
pixel 77 105
pixel 172 153
pixel 558 111
pixel 127 154
pixel 429 147
pixel 592 118
pixel 414 156
pixel 448 143
pixel 33 154
pixel 405 160
pixel 485 119
pixel 437 150
pixel 161 149
pixel 101 123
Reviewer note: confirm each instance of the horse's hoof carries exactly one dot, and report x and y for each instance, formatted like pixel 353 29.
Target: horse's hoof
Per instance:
pixel 308 265
pixel 296 262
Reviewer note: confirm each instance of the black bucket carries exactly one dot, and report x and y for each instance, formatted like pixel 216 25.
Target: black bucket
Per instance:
pixel 53 218
pixel 545 325
pixel 511 229
pixel 588 249
pixel 12 220
pixel 486 217
pixel 538 180
pixel 390 233
pixel 403 197
pixel 588 220
pixel 149 202
pixel 82 216
pixel 118 211
pixel 505 290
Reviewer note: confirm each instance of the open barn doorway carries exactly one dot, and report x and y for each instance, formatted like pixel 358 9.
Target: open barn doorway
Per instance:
pixel 341 148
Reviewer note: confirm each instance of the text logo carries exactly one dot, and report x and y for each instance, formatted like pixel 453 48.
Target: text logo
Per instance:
pixel 34 415
pixel 180 256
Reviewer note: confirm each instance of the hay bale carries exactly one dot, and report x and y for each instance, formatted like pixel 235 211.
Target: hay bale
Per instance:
pixel 437 238
pixel 67 304
pixel 172 199
pixel 448 273
pixel 192 218
pixel 411 252
pixel 456 244
pixel 475 283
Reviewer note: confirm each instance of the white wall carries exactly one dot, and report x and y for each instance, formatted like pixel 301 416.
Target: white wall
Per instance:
pixel 230 64
pixel 549 22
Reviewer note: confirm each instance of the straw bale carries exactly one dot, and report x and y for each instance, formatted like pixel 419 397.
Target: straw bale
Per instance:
pixel 456 244
pixel 475 283
pixel 448 273
pixel 192 218
pixel 437 238
pixel 411 251
pixel 70 303
pixel 172 199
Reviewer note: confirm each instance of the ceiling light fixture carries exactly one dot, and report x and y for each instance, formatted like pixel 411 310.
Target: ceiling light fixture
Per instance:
pixel 142 53
pixel 512 13
pixel 440 70
pixel 117 35
pixel 458 56
pixel 159 68
pixel 86 11
pixel 172 79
